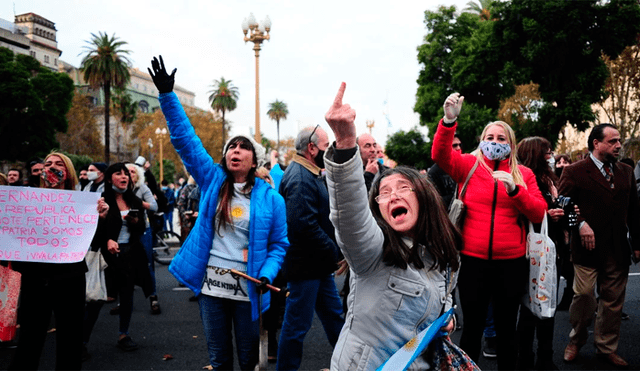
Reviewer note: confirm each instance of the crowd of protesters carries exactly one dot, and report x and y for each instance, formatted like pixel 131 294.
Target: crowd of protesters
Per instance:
pixel 342 207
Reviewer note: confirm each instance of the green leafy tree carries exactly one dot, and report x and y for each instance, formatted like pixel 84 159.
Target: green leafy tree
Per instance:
pixel 34 102
pixel 458 57
pixel 278 111
pixel 409 148
pixel 106 65
pixel 168 169
pixel 558 45
pixel 223 98
pixel 555 44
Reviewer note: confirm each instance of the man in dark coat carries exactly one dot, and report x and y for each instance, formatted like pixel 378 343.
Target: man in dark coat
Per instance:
pixel 313 255
pixel 605 192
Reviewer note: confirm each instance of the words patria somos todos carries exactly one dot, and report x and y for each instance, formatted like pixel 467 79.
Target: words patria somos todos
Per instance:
pixel 46 225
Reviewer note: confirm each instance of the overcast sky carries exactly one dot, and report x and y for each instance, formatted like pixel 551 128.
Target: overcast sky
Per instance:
pixel 371 45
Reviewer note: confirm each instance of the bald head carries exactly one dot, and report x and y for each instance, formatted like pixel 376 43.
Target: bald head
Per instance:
pixel 368 147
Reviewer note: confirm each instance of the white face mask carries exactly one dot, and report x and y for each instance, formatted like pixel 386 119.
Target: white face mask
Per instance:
pixel 92 175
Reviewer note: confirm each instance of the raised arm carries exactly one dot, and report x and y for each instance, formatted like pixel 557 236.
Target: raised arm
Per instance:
pixel 183 137
pixel 357 232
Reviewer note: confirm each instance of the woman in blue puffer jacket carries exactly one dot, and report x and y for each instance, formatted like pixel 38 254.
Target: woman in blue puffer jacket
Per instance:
pixel 241 225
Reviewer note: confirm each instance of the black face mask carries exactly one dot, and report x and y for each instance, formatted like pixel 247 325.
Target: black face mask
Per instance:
pixel 559 171
pixel 83 182
pixel 319 159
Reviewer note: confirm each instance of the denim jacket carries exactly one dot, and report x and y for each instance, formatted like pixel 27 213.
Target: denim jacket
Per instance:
pixel 387 305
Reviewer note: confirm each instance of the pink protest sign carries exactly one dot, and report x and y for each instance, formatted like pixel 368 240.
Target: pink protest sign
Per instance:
pixel 46 225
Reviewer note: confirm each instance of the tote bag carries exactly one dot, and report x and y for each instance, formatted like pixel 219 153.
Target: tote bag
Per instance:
pixel 542 293
pixel 96 284
pixel 9 292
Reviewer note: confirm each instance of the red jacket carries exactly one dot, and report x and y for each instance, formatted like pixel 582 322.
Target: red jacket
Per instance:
pixel 492 229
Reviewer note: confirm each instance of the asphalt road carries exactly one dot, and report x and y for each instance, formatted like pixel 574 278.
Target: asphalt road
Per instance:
pixel 178 332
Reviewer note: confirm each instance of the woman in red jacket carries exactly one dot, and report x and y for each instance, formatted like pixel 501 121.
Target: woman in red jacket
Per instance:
pixel 501 195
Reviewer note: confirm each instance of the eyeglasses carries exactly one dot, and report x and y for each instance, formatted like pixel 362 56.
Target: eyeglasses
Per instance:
pixel 385 197
pixel 313 132
pixel 456 145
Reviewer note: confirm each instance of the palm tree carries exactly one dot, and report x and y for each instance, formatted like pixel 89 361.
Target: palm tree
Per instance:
pixel 106 66
pixel 223 98
pixel 482 8
pixel 127 109
pixel 278 111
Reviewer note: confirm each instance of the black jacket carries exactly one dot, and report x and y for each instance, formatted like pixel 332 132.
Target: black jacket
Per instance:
pixel 313 252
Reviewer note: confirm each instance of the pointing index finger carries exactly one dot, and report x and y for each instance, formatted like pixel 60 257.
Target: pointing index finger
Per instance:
pixel 338 101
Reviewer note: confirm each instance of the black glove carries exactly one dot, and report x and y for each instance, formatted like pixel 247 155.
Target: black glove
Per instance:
pixel 262 286
pixel 163 82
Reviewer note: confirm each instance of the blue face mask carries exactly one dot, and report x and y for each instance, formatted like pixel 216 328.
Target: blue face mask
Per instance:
pixel 381 161
pixel 495 151
pixel 118 190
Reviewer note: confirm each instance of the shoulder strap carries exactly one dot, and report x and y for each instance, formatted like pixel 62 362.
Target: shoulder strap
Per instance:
pixel 464 187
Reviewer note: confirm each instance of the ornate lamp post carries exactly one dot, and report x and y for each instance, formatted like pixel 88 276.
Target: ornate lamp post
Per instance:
pixel 259 33
pixel 161 132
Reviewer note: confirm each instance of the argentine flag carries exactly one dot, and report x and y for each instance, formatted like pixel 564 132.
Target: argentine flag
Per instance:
pixel 404 357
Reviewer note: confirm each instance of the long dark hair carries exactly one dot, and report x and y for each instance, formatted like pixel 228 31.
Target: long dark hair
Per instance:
pixel 223 212
pixel 128 196
pixel 433 228
pixel 531 153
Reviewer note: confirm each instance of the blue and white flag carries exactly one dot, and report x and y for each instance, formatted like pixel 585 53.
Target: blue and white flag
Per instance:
pixel 404 357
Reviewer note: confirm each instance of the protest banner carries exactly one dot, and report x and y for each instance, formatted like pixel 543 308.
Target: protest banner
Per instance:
pixel 46 225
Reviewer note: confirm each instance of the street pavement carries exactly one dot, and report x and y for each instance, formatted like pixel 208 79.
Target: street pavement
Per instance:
pixel 178 332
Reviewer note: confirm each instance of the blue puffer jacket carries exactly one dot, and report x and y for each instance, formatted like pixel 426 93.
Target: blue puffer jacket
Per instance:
pixel 268 241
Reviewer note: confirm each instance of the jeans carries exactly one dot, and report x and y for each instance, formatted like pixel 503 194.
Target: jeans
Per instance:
pixel 147 242
pixel 489 326
pixel 304 297
pixel 218 315
pixel 168 221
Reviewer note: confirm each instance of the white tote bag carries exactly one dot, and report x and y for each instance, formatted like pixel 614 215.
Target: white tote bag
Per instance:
pixel 542 292
pixel 96 285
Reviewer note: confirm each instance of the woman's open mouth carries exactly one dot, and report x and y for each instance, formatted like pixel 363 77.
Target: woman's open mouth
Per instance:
pixel 398 212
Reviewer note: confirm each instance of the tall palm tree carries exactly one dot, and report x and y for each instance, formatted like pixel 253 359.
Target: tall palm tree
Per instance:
pixel 278 111
pixel 223 98
pixel 127 109
pixel 482 8
pixel 106 66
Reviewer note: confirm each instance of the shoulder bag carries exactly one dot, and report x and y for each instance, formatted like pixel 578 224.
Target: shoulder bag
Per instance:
pixel 458 209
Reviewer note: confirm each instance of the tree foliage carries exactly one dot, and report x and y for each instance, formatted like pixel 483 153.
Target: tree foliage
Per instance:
pixel 278 111
pixel 223 98
pixel 521 109
pixel 207 128
pixel 555 44
pixel 33 105
pixel 409 148
pixel 106 66
pixel 558 45
pixel 621 102
pixel 82 136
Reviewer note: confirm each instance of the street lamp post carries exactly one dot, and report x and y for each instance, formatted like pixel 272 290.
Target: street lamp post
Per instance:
pixel 259 33
pixel 161 132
